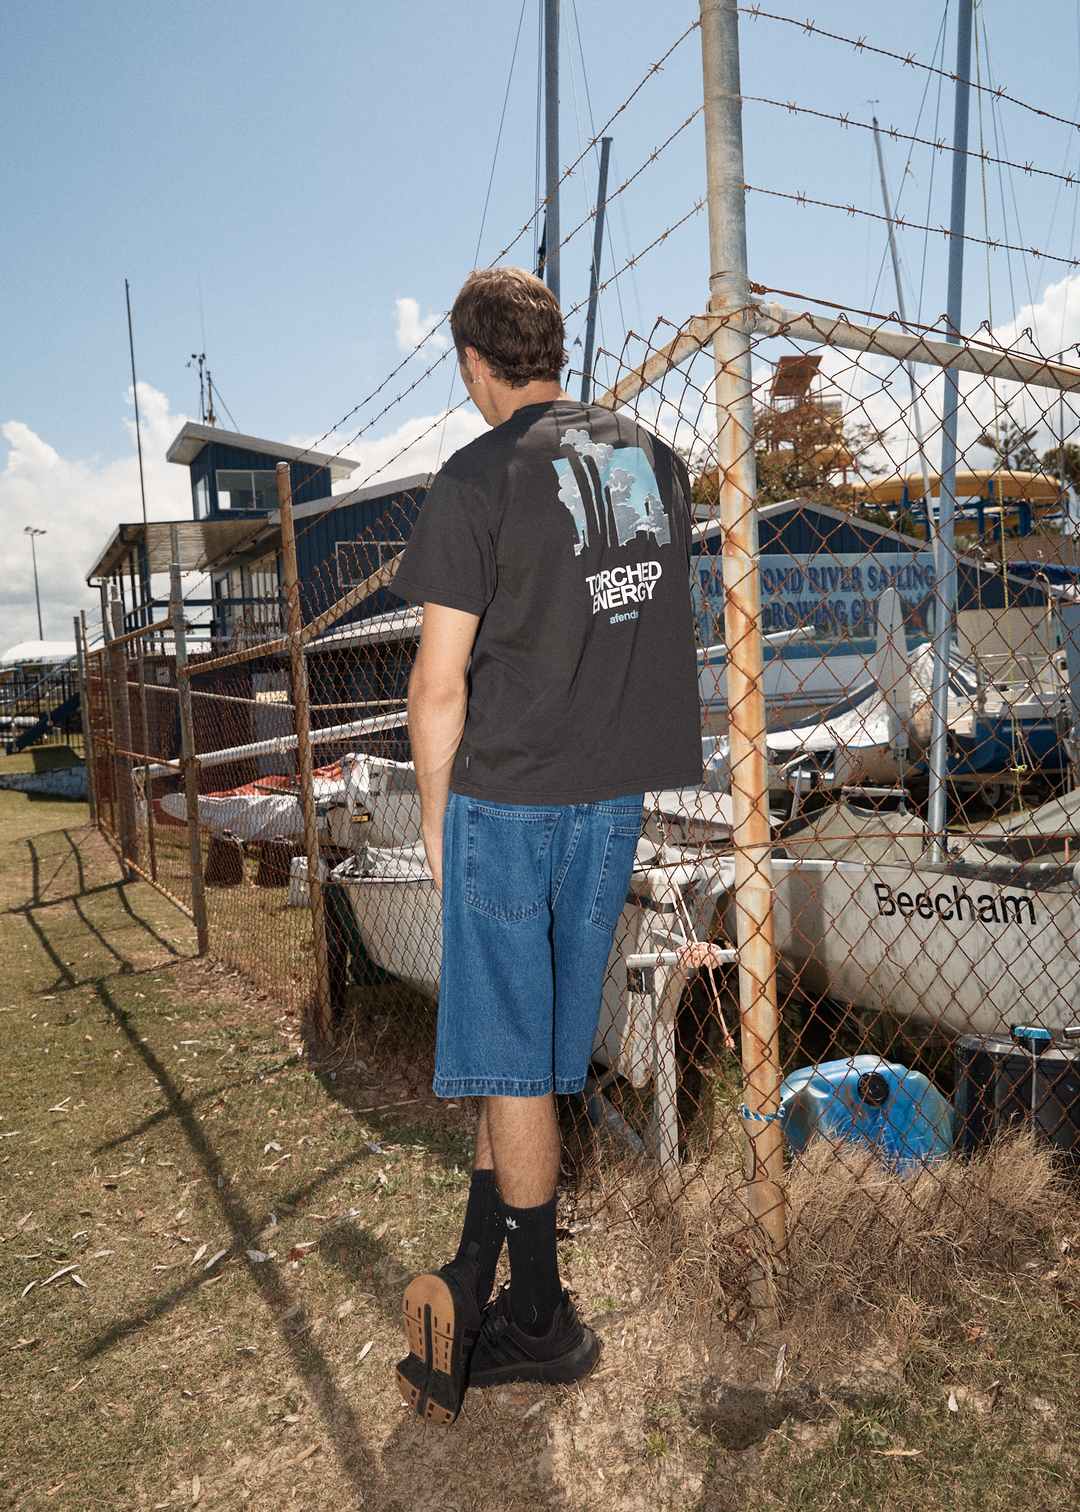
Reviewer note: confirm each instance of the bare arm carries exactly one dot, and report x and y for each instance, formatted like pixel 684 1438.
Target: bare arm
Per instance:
pixel 438 695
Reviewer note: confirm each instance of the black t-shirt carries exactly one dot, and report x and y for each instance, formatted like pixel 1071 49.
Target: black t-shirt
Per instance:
pixel 567 530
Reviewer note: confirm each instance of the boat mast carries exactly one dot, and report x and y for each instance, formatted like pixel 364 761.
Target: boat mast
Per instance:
pixel 923 466
pixel 944 554
pixel 551 144
pixel 594 277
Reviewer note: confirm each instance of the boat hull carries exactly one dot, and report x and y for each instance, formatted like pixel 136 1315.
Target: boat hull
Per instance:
pixel 962 954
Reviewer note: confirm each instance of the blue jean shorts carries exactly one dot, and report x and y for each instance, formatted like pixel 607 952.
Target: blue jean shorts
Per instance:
pixel 531 898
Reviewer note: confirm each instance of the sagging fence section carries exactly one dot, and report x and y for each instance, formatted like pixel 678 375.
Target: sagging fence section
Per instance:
pixel 919 636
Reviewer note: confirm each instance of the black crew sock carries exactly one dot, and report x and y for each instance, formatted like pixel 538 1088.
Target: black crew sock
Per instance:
pixel 483 1232
pixel 535 1289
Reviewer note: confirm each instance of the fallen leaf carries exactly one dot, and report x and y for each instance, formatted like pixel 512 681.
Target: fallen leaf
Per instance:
pixel 78 1281
pixel 54 1489
pixel 954 1405
pixel 292 1417
pixel 25 1343
pixel 199 1253
pixel 381 1230
pixel 214 1259
pixel 273 1145
pixel 256 1256
pixel 897 1453
pixel 27 1289
pixel 778 1373
pixel 365 1351
pixel 66 1271
pixel 344 1310
pixel 298 1459
pixel 74 1385
pixel 972 1333
pixel 196 1489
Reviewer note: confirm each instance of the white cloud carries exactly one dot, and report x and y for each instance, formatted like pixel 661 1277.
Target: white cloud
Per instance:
pixel 1053 320
pixel 412 332
pixel 420 445
pixel 78 504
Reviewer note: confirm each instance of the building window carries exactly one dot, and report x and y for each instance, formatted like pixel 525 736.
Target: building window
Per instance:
pixel 224 611
pixel 247 489
pixel 202 497
pixel 357 560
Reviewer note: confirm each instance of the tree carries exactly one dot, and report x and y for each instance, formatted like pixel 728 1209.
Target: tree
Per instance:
pixel 1012 447
pixel 802 453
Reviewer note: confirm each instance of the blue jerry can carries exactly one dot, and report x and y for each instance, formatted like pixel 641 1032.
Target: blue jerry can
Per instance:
pixel 897 1113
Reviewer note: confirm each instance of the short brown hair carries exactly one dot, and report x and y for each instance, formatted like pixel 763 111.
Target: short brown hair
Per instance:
pixel 514 321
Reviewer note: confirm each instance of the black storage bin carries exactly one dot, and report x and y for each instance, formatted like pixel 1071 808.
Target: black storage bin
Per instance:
pixel 997 1082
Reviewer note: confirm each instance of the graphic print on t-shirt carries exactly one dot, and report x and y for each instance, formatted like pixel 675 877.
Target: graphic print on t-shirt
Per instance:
pixel 611 492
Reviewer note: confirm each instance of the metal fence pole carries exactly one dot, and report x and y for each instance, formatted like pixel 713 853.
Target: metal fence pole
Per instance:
pixel 945 553
pixel 110 704
pixel 129 839
pixel 304 765
pixel 84 709
pixel 187 750
pixel 147 779
pixel 730 294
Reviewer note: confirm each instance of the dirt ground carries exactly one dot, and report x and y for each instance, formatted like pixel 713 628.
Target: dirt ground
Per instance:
pixel 203 1243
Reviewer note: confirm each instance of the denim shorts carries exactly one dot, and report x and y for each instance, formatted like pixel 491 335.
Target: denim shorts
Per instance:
pixel 531 898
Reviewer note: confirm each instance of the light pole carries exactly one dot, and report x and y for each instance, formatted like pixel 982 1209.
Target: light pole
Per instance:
pixel 32 531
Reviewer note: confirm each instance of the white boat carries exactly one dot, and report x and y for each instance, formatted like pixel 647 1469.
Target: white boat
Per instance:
pixel 950 946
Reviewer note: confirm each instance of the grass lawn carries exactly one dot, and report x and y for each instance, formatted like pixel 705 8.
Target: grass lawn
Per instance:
pixel 203 1243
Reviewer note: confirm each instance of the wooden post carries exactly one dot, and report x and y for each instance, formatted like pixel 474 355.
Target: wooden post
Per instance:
pixel 84 709
pixel 187 750
pixel 304 765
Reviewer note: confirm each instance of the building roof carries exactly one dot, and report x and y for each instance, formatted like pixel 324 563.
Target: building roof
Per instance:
pixel 355 496
pixel 202 544
pixel 191 440
pixel 38 651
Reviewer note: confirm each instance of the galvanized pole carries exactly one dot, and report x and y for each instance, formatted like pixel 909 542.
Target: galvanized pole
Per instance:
pixel 945 554
pixel 730 295
pixel 187 749
pixel 304 765
pixel 924 466
pixel 594 276
pixel 551 144
pixel 84 709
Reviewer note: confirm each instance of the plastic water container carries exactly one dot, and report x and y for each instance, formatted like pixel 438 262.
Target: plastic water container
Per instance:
pixel 299 892
pixel 872 1103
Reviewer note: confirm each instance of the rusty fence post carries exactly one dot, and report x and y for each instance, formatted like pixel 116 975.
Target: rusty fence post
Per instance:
pixel 129 841
pixel 730 296
pixel 304 764
pixel 147 779
pixel 84 709
pixel 187 749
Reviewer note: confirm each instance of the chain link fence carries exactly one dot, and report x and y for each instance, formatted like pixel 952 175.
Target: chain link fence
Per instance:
pixel 916 634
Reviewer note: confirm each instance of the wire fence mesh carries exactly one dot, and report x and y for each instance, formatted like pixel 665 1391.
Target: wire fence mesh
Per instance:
pixel 902 967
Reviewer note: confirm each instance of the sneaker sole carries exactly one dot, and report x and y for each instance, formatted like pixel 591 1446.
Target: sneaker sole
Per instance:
pixel 564 1371
pixel 431 1377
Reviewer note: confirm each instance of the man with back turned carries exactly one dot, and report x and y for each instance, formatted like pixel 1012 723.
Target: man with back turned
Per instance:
pixel 555 683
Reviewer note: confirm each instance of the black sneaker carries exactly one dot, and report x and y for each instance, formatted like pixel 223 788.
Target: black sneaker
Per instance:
pixel 442 1322
pixel 505 1352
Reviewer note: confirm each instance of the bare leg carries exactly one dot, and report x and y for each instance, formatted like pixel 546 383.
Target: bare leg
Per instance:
pixel 519 1138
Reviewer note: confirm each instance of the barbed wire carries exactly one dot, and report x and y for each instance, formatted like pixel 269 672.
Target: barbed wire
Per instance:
pixel 898 220
pixel 896 134
pixel 860 44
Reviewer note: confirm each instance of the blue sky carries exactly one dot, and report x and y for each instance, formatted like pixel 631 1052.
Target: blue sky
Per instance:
pixel 294 188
